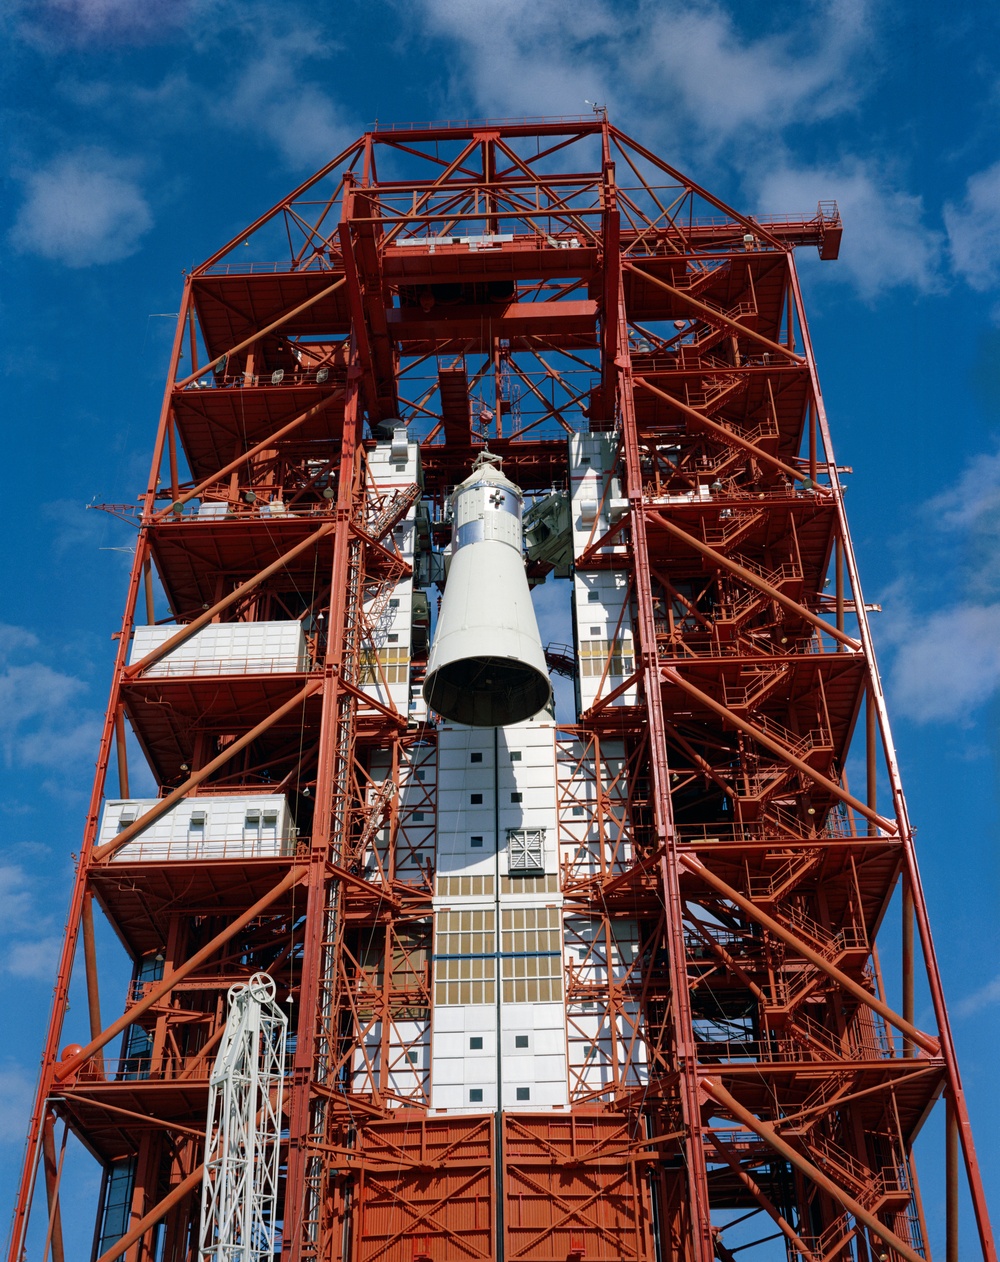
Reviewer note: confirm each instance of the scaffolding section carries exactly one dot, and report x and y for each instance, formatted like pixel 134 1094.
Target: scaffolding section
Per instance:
pixel 239 1191
pixel 598 990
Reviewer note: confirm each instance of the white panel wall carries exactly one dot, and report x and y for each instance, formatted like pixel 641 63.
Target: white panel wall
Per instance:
pixel 599 596
pixel 459 1068
pixel 395 464
pixel 416 810
pixel 465 774
pixel 489 782
pixel 604 1043
pixel 592 841
pixel 540 1068
pixel 408 1061
pixel 250 826
pixel 225 648
pixel 526 767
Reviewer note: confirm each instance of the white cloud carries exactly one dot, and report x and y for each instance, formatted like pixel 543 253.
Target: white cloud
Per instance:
pixel 16 902
pixel 985 997
pixel 33 959
pixel 16 1093
pixel 31 950
pixel 974 230
pixel 270 99
pixel 969 512
pixel 28 691
pixel 886 241
pixel 84 207
pixel 946 663
pixel 41 722
pixel 72 526
pixel 526 58
pixel 944 624
pixel 60 747
pixel 270 94
pixel 53 24
pixel 976 495
pixel 668 64
pixel 12 638
pixel 260 85
pixel 729 84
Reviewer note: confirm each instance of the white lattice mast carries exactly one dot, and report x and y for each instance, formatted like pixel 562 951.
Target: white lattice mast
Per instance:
pixel 240 1185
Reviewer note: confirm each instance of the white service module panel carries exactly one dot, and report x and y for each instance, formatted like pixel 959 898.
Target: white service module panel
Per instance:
pixel 533 1055
pixel 594 834
pixel 250 826
pixel 605 649
pixel 225 648
pixel 465 1058
pixel 414 795
pixel 499 1029
pixel 385 670
pixel 526 806
pixel 606 1042
pixel 407 1066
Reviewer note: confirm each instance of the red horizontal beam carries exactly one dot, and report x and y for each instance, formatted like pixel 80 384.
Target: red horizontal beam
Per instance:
pixel 513 319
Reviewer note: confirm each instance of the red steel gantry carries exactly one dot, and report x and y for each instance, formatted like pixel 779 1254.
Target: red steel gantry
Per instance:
pixel 738 1074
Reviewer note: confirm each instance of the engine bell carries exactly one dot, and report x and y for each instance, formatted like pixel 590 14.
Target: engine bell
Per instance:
pixel 487 666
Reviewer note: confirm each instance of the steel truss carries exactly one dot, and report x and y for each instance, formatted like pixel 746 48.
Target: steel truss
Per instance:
pixel 735 1054
pixel 243 1134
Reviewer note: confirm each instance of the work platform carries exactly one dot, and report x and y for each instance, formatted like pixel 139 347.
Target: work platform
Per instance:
pixel 596 986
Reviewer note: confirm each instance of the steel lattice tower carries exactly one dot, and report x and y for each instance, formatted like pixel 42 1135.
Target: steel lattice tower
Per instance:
pixel 588 992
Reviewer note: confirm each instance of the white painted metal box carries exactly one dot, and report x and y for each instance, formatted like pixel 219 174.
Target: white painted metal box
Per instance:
pixel 226 648
pixel 249 826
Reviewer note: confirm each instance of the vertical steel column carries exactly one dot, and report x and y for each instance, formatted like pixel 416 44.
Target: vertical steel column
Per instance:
pixel 698 1199
pixel 314 1050
pixel 977 1191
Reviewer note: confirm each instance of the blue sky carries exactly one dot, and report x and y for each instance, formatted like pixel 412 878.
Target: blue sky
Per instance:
pixel 139 136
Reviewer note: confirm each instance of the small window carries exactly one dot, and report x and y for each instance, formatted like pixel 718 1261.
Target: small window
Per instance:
pixel 412 1057
pixel 476 1043
pixel 594 598
pixel 475 1095
pixel 515 755
pixel 577 810
pixel 585 460
pixel 516 797
pixel 476 843
pixel 418 817
pixel 126 818
pixel 588 1051
pixel 392 637
pixel 476 756
pixel 421 774
pixel 198 818
pixel 595 630
pixel 520 1040
pixel 394 602
pixel 476 799
pixel 524 1093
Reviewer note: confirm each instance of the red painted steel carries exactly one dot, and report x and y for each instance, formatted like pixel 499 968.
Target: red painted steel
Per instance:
pixel 755 1078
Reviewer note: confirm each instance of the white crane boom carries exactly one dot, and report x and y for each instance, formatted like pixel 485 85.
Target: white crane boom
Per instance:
pixel 242 1134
